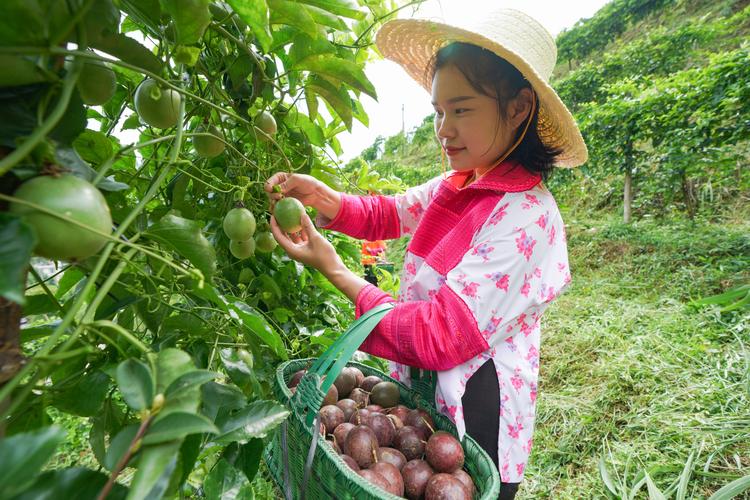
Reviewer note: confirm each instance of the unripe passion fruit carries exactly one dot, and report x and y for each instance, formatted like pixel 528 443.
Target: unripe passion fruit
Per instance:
pixel 206 146
pixel 242 249
pixel 265 242
pixel 157 107
pixel 239 224
pixel 73 198
pixel 267 123
pixel 288 214
pixel 96 83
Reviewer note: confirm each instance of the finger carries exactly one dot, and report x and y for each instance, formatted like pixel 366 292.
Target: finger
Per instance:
pixel 281 238
pixel 308 228
pixel 275 179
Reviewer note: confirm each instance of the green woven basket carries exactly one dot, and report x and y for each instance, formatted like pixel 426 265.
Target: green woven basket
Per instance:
pixel 307 469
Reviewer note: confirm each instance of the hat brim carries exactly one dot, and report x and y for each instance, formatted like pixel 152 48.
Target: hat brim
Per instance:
pixel 413 42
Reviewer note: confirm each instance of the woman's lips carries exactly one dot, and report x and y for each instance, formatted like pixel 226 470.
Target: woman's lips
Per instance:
pixel 453 151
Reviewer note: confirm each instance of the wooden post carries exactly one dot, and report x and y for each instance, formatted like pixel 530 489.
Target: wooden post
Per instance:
pixel 627 199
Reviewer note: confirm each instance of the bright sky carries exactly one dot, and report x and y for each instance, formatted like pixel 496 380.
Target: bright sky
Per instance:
pixel 395 88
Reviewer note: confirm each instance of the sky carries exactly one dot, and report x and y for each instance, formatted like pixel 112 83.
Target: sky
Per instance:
pixel 396 89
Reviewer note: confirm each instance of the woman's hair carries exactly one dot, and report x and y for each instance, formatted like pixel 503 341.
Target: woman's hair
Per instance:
pixel 493 76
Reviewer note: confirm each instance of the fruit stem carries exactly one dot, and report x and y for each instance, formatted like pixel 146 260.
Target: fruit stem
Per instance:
pixel 134 445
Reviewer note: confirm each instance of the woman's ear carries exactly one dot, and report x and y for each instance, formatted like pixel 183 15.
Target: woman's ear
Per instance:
pixel 520 107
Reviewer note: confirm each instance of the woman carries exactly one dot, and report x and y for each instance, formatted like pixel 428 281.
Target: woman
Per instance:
pixel 488 251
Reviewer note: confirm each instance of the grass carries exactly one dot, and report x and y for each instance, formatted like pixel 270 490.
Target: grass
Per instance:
pixel 635 378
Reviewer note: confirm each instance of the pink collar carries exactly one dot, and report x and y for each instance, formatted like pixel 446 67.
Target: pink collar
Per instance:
pixel 508 177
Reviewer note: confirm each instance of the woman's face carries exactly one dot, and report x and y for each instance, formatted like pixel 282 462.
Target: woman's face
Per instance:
pixel 468 124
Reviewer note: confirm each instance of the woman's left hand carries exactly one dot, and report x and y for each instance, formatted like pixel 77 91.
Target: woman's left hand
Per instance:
pixel 308 246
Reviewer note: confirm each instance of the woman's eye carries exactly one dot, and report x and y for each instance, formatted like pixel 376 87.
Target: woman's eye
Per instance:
pixel 461 110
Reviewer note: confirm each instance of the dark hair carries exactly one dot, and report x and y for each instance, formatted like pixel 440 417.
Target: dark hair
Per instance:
pixel 493 76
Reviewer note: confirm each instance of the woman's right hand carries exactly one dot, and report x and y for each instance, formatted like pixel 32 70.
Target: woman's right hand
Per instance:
pixel 303 187
pixel 307 189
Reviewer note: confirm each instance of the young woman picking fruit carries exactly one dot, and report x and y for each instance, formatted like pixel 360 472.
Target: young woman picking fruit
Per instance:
pixel 488 251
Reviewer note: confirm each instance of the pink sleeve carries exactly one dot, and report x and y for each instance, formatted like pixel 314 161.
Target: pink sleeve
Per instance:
pixel 365 217
pixel 438 334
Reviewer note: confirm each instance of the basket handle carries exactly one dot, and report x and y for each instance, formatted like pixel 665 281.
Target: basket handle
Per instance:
pixel 333 360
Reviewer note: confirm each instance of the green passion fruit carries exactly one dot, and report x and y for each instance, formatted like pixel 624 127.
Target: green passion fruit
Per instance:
pixel 288 214
pixel 267 123
pixel 265 242
pixel 96 83
pixel 207 146
pixel 73 198
pixel 242 249
pixel 385 394
pixel 239 224
pixel 156 106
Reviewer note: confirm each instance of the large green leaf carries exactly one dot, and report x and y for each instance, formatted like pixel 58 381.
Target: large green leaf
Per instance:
pixel 155 467
pixel 171 365
pixel 130 51
pixel 344 8
pixel 16 242
pixel 119 445
pixel 221 399
pixel 258 325
pixel 191 18
pixel 295 119
pixel 225 482
pixel 23 455
pixel 338 98
pixel 293 14
pixel 246 457
pixel 185 237
pixel 336 69
pixel 240 373
pixel 75 483
pixel 177 425
pixel 253 421
pixel 256 15
pixel 187 381
pixel 82 396
pixel 136 384
pixel 94 147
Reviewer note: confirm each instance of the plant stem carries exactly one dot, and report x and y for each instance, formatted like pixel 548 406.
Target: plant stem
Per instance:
pixel 125 458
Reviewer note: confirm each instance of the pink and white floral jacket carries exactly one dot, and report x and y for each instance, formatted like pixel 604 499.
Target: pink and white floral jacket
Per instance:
pixel 483 264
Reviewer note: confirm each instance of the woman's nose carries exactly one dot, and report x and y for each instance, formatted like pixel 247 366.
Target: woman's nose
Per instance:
pixel 444 128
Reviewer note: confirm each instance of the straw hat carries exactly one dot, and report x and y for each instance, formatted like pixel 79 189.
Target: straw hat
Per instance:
pixel 510 34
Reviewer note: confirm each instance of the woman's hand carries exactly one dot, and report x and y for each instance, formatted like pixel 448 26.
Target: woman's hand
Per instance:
pixel 311 248
pixel 308 246
pixel 307 189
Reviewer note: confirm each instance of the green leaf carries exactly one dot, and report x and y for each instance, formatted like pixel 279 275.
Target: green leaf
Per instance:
pixel 225 482
pixel 177 425
pixel 654 493
pixel 218 398
pixel 130 51
pixel 187 55
pixel 245 457
pixel 39 303
pixel 732 489
pixel 344 8
pixel 237 369
pixel 186 238
pixel 188 380
pixel 336 69
pixel 83 396
pixel 293 14
pixel 75 483
pixel 256 15
pixel 338 98
pixel 119 446
pixel 94 147
pixel 171 364
pixel 324 18
pixel 136 384
pixel 191 18
pixel 253 421
pixel 68 280
pixel 155 467
pixel 257 324
pixel 17 240
pixel 23 455
pixel 296 120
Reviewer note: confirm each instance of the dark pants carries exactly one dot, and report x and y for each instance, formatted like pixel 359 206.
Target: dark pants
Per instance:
pixel 370 274
pixel 481 405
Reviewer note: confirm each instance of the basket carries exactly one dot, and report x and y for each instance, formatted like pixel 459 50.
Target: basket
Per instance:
pixel 300 461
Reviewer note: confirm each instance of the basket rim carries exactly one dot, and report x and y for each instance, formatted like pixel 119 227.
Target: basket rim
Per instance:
pixel 348 473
